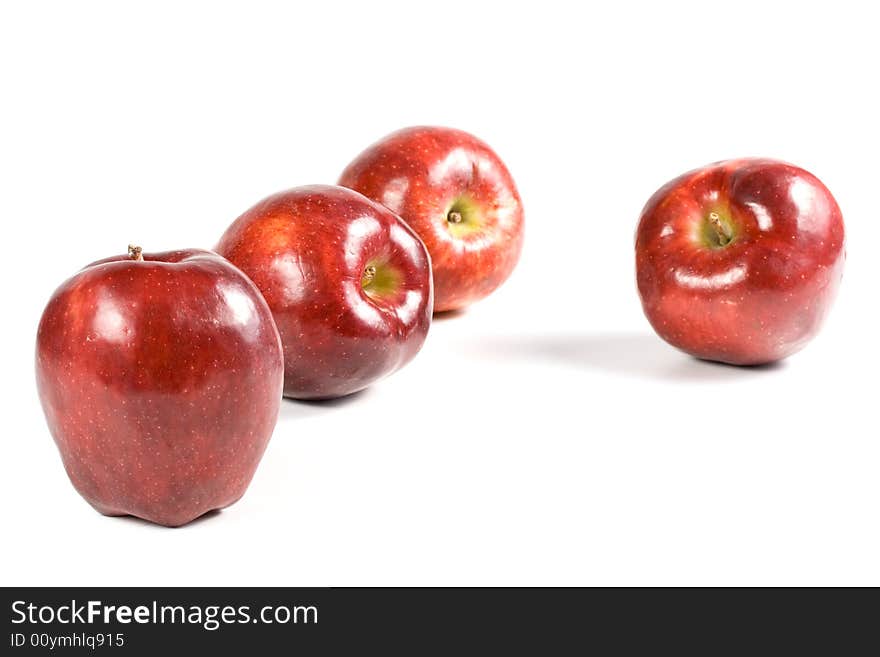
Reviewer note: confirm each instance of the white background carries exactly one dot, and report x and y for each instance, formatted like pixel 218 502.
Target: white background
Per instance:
pixel 546 436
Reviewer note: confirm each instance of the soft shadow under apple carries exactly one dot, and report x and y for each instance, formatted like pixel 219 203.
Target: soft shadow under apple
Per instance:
pixel 205 517
pixel 297 409
pixel 445 315
pixel 631 354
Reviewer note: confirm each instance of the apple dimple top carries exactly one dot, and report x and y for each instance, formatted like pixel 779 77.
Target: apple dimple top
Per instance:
pixel 348 282
pixel 786 226
pixel 459 197
pixel 740 261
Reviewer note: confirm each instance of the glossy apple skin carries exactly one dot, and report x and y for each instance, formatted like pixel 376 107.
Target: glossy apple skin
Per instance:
pixel 763 295
pixel 161 383
pixel 307 249
pixel 419 173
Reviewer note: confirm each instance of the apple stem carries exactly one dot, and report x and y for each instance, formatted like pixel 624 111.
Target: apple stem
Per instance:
pixel 724 235
pixel 369 275
pixel 135 252
pixel 454 217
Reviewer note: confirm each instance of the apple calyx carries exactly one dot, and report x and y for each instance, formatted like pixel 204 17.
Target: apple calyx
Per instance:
pixel 380 280
pixel 464 217
pixel 720 234
pixel 135 252
pixel 369 275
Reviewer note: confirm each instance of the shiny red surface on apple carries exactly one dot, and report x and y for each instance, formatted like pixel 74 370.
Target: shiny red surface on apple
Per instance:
pixel 310 250
pixel 161 383
pixel 740 261
pixel 456 193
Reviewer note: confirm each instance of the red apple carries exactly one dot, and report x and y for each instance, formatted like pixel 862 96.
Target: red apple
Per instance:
pixel 455 192
pixel 348 282
pixel 160 376
pixel 740 261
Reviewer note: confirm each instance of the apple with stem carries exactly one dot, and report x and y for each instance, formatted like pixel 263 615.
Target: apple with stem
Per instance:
pixel 160 377
pixel 740 261
pixel 348 282
pixel 456 193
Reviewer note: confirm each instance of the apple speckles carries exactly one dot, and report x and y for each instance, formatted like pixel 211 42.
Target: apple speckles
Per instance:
pixel 792 263
pixel 306 250
pixel 125 414
pixel 439 166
